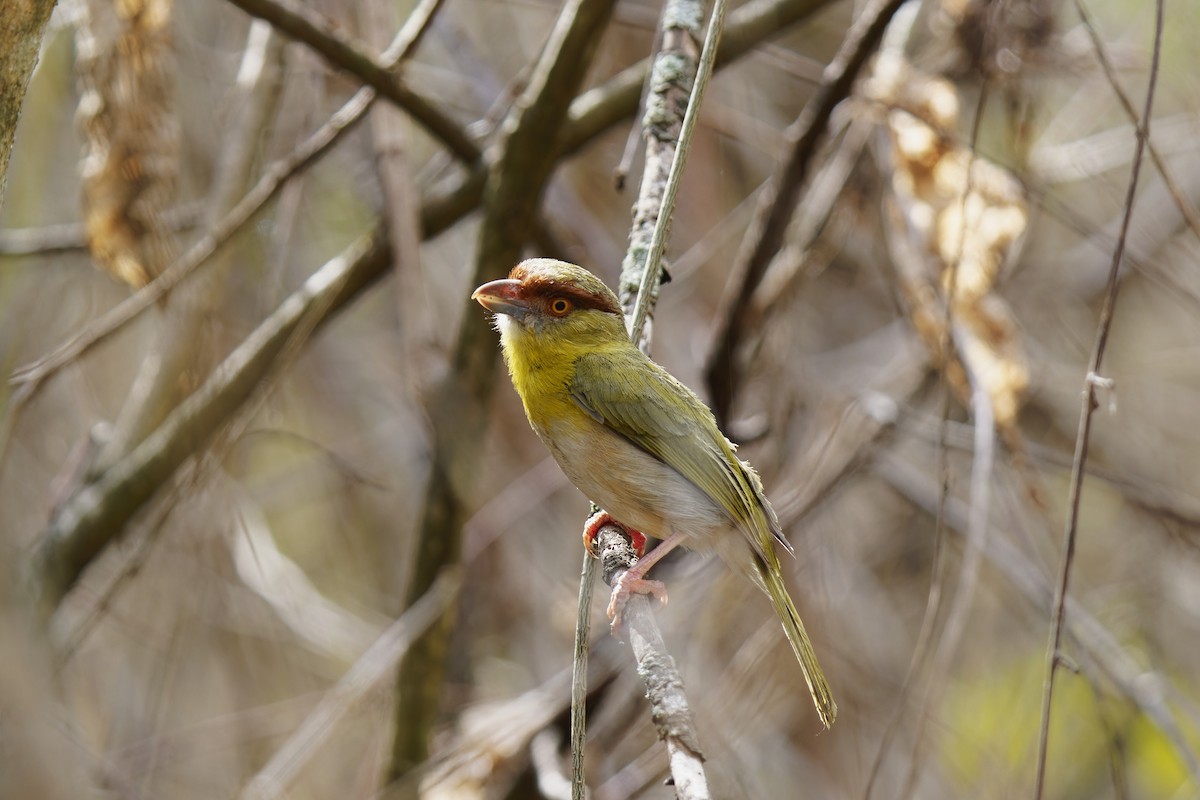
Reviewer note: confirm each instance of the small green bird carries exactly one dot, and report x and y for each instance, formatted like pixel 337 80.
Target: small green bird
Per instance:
pixel 637 442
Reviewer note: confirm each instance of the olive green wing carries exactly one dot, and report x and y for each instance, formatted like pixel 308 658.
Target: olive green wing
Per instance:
pixel 641 401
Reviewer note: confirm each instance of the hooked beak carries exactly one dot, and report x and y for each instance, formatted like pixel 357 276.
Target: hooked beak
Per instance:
pixel 503 297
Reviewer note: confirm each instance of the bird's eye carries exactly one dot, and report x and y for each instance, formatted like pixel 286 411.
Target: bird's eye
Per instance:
pixel 559 306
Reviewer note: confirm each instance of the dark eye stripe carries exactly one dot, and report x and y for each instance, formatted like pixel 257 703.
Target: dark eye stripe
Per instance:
pixel 549 288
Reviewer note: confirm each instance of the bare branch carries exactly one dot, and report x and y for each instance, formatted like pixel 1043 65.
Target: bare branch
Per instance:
pixel 67 237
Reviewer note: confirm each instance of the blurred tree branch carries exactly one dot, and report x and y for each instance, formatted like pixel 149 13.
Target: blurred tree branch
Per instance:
pixel 368 671
pixel 1146 689
pixel 186 347
pixel 98 514
pixel 304 25
pixel 590 114
pixel 21 28
pixel 460 404
pixel 31 376
pixel 777 202
pixel 68 237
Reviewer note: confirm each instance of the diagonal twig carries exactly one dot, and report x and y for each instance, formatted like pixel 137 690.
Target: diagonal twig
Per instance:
pixel 1177 194
pixel 304 25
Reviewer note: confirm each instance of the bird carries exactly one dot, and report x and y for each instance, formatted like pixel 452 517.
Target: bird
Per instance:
pixel 637 442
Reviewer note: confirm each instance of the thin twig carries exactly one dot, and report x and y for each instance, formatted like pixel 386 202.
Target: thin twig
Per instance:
pixel 300 23
pixel 1181 202
pixel 635 130
pixel 952 338
pixel 779 200
pixel 1088 405
pixel 579 667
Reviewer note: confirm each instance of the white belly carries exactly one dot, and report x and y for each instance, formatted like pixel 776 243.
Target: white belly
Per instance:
pixel 635 487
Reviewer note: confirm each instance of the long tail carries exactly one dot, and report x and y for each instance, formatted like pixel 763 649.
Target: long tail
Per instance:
pixel 794 628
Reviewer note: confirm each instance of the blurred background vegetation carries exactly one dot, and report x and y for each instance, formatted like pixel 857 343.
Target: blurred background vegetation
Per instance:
pixel 906 375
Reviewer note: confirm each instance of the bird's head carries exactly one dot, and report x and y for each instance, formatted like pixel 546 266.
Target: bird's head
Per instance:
pixel 544 301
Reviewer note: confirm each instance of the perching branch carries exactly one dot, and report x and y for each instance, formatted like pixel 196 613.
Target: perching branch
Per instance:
pixel 670 122
pixel 765 237
pixel 669 707
pixel 1089 404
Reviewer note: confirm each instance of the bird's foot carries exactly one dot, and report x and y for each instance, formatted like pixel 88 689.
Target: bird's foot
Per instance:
pixel 628 584
pixel 595 522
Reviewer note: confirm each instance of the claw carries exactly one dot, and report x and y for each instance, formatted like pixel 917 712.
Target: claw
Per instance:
pixel 629 584
pixel 595 522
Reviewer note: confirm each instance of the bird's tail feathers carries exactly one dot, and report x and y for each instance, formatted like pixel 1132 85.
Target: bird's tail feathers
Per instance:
pixel 794 628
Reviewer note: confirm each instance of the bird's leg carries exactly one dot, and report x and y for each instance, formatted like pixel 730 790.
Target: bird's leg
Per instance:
pixel 634 582
pixel 595 522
